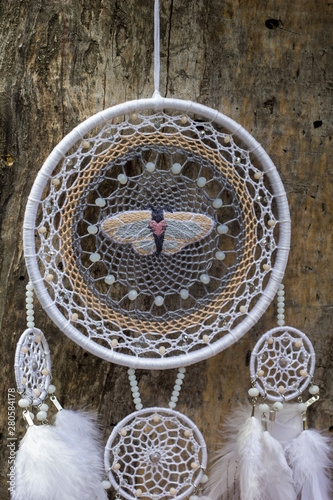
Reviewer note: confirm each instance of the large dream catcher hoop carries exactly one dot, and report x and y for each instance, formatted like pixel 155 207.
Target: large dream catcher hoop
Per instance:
pixel 156 232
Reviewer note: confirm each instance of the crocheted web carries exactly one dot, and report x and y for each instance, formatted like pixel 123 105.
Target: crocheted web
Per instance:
pixel 31 358
pixel 155 450
pixel 282 363
pixel 162 303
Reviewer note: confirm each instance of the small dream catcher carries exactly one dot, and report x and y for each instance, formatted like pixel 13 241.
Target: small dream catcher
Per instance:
pixel 155 235
pixel 268 451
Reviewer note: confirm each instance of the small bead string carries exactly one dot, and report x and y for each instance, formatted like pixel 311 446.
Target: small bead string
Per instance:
pixel 281 305
pixel 136 393
pixel 29 305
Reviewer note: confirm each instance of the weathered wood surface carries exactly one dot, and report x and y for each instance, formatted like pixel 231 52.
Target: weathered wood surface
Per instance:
pixel 267 64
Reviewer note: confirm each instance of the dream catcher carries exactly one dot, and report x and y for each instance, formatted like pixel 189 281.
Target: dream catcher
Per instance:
pixel 268 451
pixel 155 235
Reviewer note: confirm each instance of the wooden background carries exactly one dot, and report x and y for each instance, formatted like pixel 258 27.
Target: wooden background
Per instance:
pixel 265 63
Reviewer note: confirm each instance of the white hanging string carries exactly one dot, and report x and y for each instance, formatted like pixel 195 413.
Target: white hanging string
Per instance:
pixel 157 49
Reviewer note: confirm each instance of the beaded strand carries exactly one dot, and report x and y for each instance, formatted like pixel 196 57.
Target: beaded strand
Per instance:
pixel 136 393
pixel 29 294
pixel 281 305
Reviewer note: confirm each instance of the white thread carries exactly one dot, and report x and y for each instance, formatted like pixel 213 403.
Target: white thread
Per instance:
pixel 157 62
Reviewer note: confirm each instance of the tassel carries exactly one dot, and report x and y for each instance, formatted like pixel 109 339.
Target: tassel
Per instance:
pixel 49 467
pixel 309 458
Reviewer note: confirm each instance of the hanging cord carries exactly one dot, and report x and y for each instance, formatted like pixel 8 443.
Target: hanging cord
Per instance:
pixel 157 63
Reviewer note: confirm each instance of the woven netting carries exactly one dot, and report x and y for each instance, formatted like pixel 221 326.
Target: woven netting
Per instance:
pixel 155 454
pixel 197 288
pixel 282 363
pixel 33 366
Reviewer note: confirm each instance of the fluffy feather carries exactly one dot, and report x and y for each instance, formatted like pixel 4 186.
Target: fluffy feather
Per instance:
pixel 83 430
pixel 276 473
pixel 250 449
pixel 309 458
pixel 288 423
pixel 48 467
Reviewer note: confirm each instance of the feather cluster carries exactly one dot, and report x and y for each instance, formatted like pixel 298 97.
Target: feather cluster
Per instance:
pixel 61 462
pixel 254 465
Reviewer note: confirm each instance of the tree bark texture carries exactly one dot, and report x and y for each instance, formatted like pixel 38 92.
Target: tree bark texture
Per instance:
pixel 265 63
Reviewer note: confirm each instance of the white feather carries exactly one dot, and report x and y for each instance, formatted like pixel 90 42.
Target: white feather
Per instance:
pixel 48 467
pixel 276 473
pixel 309 458
pixel 250 449
pixel 288 423
pixel 82 429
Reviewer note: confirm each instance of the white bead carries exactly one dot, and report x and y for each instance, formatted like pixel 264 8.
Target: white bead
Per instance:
pixel 280 310
pixel 122 178
pixel 258 175
pixel 133 383
pixel 266 267
pixel 137 401
pixel 42 230
pixel 182 369
pixel 95 257
pixel 30 324
pixel 173 491
pixel 132 377
pixel 174 399
pixel 281 389
pixel 123 431
pixel 24 403
pixel 32 416
pixel 162 349
pixel 204 479
pixel 281 286
pixel 176 168
pixel 222 229
pixel 136 394
pixel 194 465
pixel 92 229
pixel 242 309
pixel 132 295
pixel 131 371
pixel 114 342
pixel 227 139
pixel 280 299
pixel 106 485
pixel 139 406
pixel 205 279
pixel 184 294
pixel 150 166
pixel 298 343
pixel 187 433
pixel 138 492
pixel 201 182
pixel 271 222
pixel 280 293
pixel 302 407
pixel 281 322
pixel 44 407
pixel 220 255
pixel 184 119
pixel 314 389
pixel 280 316
pixel 116 466
pixel 159 301
pixel 38 338
pixel 180 375
pixel 217 203
pixel 75 316
pixel 178 381
pixel 264 408
pixel 24 349
pixel 277 406
pixel 51 389
pixel 175 393
pixel 41 415
pixel 48 277
pixel 303 373
pixel 172 404
pixel 100 202
pixel 45 371
pixel 205 338
pixel 29 300
pixel 55 182
pixel 29 293
pixel 177 387
pixel 29 287
pixel 253 392
pixel 30 306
